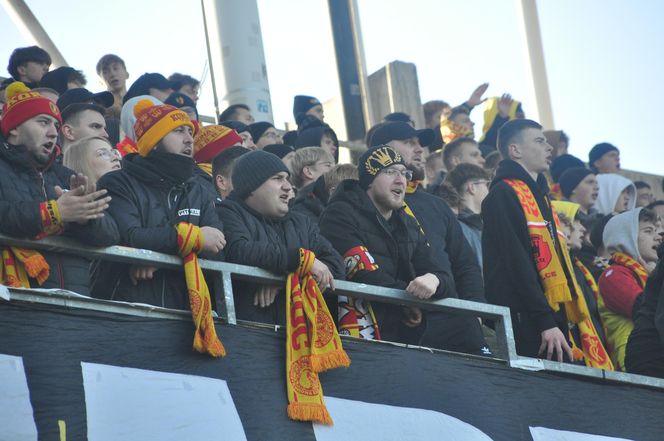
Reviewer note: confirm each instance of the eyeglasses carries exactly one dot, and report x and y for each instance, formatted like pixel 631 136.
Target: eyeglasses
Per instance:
pixel 108 154
pixel 393 173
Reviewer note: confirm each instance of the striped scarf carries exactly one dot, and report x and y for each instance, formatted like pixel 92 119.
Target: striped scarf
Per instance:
pixel 190 243
pixel 623 259
pixel 594 352
pixel 313 344
pixel 550 269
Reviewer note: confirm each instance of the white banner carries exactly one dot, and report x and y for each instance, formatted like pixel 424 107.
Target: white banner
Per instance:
pixel 17 421
pixel 140 405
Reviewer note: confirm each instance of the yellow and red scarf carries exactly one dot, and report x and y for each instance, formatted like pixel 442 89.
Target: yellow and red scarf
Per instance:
pixel 206 167
pixel 190 242
pixel 18 264
pixel 547 261
pixel 623 259
pixel 594 352
pixel 309 321
pixel 449 131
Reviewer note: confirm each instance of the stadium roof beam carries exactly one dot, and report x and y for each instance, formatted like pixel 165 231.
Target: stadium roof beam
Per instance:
pixel 32 30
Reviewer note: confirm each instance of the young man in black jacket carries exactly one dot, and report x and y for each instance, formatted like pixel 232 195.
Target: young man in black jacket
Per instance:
pixel 263 232
pixel 155 191
pixel 443 232
pixel 519 259
pixel 382 245
pixel 39 197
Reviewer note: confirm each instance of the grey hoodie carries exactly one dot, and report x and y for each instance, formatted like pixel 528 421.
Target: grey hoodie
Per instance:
pixel 610 187
pixel 622 234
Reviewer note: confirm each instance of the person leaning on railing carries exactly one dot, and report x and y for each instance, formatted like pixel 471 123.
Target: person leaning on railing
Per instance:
pixel 39 197
pixel 158 205
pixel 263 232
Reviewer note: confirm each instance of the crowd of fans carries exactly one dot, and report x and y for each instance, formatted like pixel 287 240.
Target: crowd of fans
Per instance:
pixel 509 218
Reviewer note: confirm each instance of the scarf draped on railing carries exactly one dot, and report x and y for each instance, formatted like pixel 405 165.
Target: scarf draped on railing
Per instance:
pixel 313 344
pixel 190 242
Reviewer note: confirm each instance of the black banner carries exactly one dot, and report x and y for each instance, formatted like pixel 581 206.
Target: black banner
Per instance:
pixel 501 402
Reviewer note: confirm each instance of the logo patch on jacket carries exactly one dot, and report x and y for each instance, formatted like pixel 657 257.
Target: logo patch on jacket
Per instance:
pixel 189 212
pixel 358 259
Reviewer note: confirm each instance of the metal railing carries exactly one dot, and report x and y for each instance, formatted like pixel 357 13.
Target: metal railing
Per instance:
pixel 223 273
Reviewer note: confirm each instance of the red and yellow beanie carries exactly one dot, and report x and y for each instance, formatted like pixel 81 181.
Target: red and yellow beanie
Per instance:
pixel 155 122
pixel 22 104
pixel 212 140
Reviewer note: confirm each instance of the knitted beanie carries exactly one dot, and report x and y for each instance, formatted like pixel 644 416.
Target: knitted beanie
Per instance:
pixel 22 104
pixel 373 161
pixel 155 122
pixel 254 168
pixel 571 178
pixel 212 140
pixel 302 103
pixel 562 163
pixel 600 150
pixel 257 129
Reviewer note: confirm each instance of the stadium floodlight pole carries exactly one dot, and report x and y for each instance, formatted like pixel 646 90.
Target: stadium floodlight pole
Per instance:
pixel 211 68
pixel 237 57
pixel 534 51
pixel 32 30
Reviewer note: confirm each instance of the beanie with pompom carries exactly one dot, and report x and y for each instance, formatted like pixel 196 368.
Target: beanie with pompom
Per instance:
pixel 153 123
pixel 22 104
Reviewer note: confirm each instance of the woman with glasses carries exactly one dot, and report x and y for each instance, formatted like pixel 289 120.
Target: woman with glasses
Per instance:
pixel 93 157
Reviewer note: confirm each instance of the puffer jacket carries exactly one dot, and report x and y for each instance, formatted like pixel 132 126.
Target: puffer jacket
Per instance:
pixel 146 209
pixel 271 244
pixel 23 187
pixel 396 250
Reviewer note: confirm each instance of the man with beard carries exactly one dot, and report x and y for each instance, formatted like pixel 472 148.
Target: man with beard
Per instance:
pixel 381 245
pixel 156 195
pixel 39 197
pixel 526 263
pixel 444 234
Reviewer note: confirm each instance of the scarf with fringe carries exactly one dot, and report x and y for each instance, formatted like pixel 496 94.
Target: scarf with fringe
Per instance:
pixel 190 242
pixel 313 344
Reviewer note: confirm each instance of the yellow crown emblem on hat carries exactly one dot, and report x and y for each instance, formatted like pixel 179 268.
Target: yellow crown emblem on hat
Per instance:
pixel 381 158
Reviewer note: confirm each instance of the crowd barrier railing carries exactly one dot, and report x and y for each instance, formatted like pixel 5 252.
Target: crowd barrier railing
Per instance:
pixel 222 274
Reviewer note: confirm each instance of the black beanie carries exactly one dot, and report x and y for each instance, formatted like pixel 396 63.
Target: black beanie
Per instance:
pixel 280 150
pixel 373 161
pixel 562 163
pixel 257 129
pixel 290 138
pixel 600 150
pixel 571 178
pixel 301 104
pixel 254 168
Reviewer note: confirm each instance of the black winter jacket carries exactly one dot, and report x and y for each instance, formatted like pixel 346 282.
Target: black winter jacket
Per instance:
pixel 271 244
pixel 398 248
pixel 645 347
pixel 312 200
pixel 146 209
pixel 510 274
pixel 450 247
pixel 22 189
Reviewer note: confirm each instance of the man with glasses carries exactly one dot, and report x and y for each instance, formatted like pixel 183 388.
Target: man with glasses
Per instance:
pixel 450 249
pixel 367 223
pixel 263 133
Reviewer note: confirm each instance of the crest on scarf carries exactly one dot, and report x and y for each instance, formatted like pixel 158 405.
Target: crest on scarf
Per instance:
pixel 358 259
pixel 541 251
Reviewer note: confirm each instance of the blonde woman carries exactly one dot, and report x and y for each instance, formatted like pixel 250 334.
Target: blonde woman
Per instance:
pixel 93 157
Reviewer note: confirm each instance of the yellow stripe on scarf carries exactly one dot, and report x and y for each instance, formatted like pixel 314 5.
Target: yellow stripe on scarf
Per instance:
pixel 19 264
pixel 190 242
pixel 549 267
pixel 206 167
pixel 628 262
pixel 594 352
pixel 308 320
